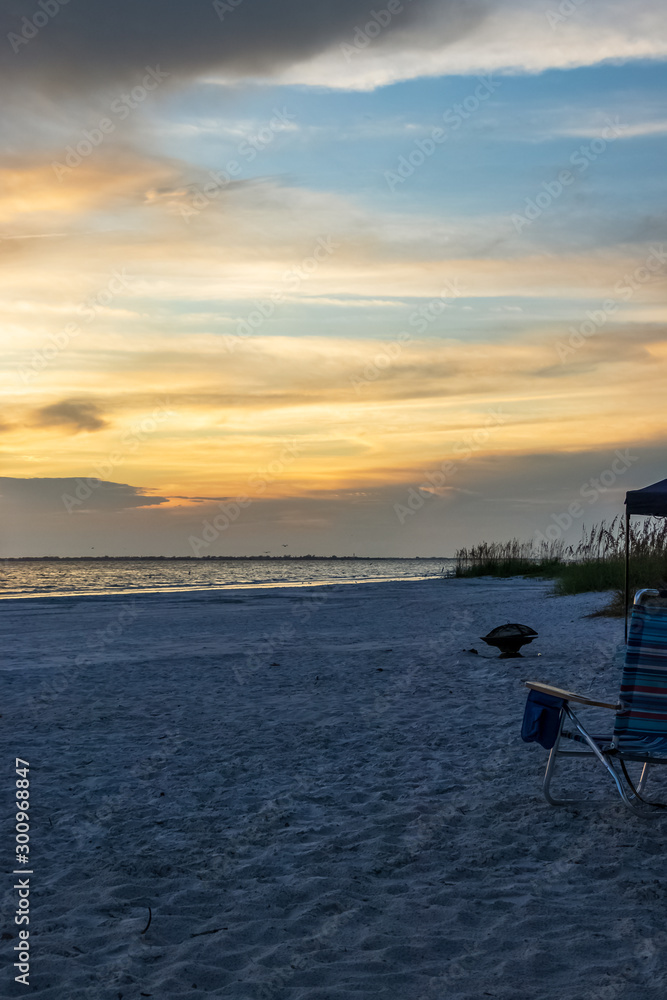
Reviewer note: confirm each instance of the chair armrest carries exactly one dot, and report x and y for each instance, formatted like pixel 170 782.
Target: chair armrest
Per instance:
pixel 557 692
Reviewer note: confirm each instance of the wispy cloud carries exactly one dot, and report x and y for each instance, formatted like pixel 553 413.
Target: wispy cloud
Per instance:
pixel 73 414
pixel 629 129
pixel 514 37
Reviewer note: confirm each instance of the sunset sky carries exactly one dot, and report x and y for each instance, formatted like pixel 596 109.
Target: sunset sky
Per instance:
pixel 268 269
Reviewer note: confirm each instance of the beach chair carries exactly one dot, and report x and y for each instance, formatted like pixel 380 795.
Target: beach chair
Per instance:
pixel 640 728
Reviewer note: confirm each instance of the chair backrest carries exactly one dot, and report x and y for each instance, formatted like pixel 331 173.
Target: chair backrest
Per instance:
pixel 644 680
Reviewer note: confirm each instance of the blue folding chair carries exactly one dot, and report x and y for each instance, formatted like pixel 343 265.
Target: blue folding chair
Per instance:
pixel 640 727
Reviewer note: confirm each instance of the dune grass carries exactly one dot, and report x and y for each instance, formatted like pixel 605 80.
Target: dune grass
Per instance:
pixel 596 563
pixel 513 558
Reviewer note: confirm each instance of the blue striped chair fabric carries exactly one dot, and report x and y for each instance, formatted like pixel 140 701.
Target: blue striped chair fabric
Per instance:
pixel 641 726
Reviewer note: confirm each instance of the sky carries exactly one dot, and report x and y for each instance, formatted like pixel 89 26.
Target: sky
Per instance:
pixel 328 278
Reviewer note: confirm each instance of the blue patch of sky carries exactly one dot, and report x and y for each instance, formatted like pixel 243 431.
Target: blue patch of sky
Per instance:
pixel 345 141
pixel 486 319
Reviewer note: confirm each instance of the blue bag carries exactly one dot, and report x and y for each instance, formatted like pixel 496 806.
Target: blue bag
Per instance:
pixel 541 719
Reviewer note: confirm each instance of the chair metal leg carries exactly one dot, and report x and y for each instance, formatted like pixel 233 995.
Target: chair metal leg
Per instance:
pixel 629 800
pixel 653 807
pixel 551 765
pixel 643 778
pixel 554 753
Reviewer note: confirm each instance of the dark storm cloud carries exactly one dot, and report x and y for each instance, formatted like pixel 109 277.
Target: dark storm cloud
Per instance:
pixel 83 43
pixel 74 414
pixel 69 494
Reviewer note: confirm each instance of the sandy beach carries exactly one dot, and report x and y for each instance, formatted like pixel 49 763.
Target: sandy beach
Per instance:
pixel 317 794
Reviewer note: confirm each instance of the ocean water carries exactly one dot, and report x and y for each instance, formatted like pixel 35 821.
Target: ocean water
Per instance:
pixel 60 577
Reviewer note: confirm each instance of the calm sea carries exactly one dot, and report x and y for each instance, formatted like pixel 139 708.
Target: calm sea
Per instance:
pixel 59 577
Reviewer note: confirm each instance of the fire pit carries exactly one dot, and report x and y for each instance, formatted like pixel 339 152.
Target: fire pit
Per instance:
pixel 509 639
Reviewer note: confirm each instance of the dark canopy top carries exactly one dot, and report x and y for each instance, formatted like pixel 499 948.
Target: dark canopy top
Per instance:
pixel 649 500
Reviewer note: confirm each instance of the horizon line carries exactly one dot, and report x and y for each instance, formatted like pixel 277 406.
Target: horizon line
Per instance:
pixel 211 558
